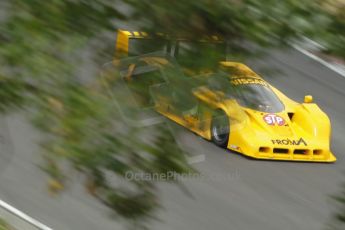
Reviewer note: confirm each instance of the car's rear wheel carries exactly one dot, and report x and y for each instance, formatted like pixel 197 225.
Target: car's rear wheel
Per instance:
pixel 220 129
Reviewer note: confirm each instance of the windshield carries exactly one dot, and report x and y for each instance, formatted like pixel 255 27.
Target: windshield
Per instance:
pixel 258 97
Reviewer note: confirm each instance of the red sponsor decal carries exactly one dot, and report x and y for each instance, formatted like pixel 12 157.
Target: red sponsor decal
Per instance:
pixel 273 119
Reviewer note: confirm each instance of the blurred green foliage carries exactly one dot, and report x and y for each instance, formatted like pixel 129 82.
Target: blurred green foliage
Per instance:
pixel 334 34
pixel 4 225
pixel 266 22
pixel 41 44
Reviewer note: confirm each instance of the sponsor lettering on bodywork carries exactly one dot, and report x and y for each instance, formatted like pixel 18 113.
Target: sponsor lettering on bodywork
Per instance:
pixel 248 80
pixel 273 119
pixel 289 142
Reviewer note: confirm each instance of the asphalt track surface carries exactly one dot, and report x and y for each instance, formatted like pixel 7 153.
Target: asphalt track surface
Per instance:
pixel 235 193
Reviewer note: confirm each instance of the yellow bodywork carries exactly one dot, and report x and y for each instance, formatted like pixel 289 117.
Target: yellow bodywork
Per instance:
pixel 303 134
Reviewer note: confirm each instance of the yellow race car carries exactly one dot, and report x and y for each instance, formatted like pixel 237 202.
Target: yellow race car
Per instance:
pixel 234 108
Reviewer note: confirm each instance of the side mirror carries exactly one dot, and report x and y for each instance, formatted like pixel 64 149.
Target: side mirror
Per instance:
pixel 308 99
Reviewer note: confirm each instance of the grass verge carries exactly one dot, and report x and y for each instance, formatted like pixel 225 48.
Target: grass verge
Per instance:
pixel 4 225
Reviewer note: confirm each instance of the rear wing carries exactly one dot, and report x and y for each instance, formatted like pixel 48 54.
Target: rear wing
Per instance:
pixel 160 41
pixel 122 41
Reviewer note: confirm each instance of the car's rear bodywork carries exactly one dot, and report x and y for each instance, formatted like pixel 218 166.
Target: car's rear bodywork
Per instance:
pixel 287 131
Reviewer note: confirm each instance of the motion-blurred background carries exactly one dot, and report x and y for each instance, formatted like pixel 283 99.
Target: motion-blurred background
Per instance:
pixel 54 93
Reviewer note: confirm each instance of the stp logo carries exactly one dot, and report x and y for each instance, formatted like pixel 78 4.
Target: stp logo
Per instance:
pixel 273 119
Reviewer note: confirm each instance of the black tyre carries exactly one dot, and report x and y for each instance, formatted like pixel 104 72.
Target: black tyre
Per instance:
pixel 220 129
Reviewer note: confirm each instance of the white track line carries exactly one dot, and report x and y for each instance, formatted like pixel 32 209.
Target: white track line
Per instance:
pixel 316 58
pixel 24 216
pixel 196 159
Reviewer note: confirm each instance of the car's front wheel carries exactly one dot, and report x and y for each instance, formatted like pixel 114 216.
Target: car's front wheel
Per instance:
pixel 220 129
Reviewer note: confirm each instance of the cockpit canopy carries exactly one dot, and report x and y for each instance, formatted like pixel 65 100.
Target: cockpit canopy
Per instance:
pixel 250 92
